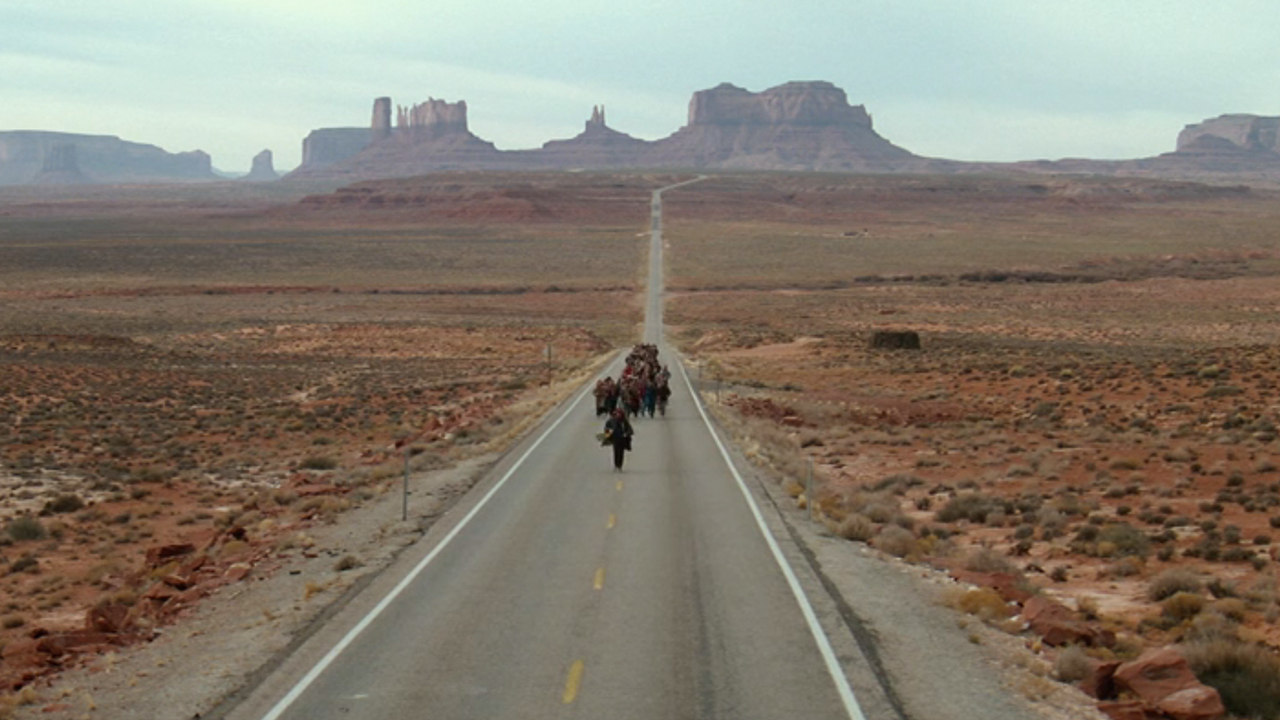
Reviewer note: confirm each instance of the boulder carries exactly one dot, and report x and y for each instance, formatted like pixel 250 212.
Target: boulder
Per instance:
pixel 1100 682
pixel 1156 675
pixel 1194 703
pixel 1059 625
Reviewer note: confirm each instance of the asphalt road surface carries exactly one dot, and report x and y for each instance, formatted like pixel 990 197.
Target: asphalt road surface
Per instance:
pixel 563 589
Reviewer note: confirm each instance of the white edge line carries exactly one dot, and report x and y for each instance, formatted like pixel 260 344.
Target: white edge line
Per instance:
pixel 302 685
pixel 819 636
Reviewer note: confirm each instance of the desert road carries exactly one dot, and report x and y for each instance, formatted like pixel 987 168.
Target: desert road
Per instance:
pixel 559 588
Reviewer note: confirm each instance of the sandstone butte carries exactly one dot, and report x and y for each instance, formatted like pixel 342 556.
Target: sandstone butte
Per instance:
pixel 794 127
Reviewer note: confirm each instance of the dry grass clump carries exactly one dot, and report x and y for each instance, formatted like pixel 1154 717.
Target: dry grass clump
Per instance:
pixel 1171 582
pixel 896 541
pixel 1247 676
pixel 25 527
pixel 318 462
pixel 983 603
pixel 1073 664
pixel 986 560
pixel 974 507
pixel 857 527
pixel 1182 606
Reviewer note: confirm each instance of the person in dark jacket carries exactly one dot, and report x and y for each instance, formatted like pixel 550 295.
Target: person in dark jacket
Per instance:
pixel 618 432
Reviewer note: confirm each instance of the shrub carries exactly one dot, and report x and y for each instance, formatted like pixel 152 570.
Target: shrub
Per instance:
pixel 26 563
pixel 26 527
pixel 857 527
pixel 1247 676
pixel 1171 582
pixel 316 462
pixel 1127 539
pixel 982 602
pixel 1072 664
pixel 1182 606
pixel 1231 608
pixel 974 507
pixel 987 560
pixel 896 541
pixel 66 503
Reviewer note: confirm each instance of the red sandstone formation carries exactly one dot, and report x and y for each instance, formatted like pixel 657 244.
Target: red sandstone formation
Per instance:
pixel 263 169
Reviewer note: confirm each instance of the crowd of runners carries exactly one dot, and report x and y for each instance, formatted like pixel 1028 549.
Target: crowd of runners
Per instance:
pixel 643 387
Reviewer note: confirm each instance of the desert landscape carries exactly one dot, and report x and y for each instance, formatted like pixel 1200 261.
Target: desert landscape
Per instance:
pixel 193 380
pixel 1058 390
pixel 1073 399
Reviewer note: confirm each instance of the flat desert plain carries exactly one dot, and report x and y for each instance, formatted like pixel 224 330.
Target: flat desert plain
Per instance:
pixel 193 378
pixel 1090 415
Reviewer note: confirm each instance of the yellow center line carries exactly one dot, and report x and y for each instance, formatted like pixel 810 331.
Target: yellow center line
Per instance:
pixel 619 486
pixel 599 581
pixel 613 520
pixel 573 683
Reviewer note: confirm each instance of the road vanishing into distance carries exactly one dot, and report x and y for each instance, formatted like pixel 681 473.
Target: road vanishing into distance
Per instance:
pixel 559 588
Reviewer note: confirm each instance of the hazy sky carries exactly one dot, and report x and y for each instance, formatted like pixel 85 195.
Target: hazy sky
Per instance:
pixel 961 79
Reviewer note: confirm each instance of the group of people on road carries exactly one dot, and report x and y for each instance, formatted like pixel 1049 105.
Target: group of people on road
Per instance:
pixel 643 387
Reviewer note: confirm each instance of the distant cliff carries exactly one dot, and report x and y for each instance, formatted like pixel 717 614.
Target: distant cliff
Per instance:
pixel 28 156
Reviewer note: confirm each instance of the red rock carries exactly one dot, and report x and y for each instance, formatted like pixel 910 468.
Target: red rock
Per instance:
pixel 81 640
pixel 1058 624
pixel 111 617
pixel 1128 710
pixel 176 581
pixel 1100 682
pixel 1195 703
pixel 157 556
pixel 1006 585
pixel 237 572
pixel 1155 675
pixel 160 592
pixel 193 564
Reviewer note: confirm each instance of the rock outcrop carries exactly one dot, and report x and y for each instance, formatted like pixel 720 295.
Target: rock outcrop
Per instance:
pixel 263 169
pixel 25 155
pixel 802 126
pixel 805 126
pixel 381 127
pixel 329 146
pixel 598 146
pixel 1249 133
pixel 61 167
pixel 427 137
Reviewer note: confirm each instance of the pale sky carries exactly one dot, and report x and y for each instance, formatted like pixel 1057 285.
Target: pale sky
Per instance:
pixel 989 80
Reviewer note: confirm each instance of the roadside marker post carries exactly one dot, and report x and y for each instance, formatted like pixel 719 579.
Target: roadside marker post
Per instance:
pixel 808 485
pixel 404 505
